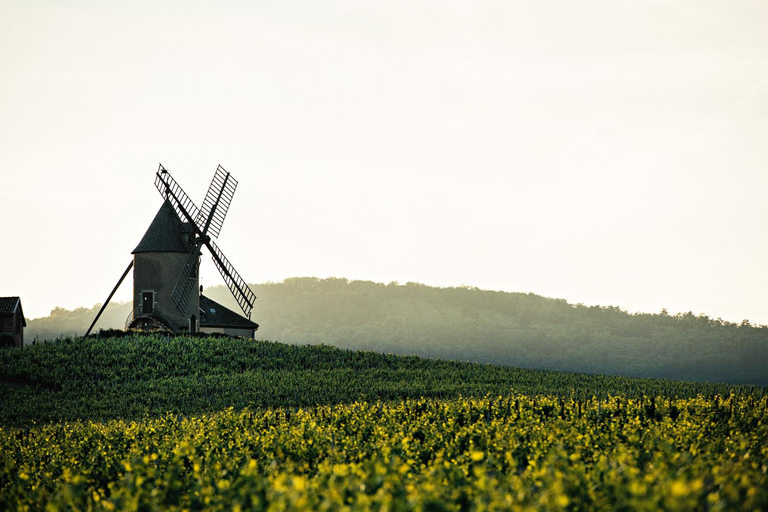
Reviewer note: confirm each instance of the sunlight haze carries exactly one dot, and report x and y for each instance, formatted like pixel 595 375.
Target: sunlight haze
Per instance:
pixel 606 152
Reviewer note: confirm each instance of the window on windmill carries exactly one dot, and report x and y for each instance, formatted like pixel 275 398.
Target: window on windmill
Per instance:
pixel 213 311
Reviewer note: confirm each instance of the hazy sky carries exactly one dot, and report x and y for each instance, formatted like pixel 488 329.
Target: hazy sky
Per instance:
pixel 605 152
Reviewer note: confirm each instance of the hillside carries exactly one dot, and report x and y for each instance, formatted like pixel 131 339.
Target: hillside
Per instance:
pixel 468 324
pixel 191 423
pixel 102 378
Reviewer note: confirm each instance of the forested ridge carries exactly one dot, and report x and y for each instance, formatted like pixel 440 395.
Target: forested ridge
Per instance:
pixel 469 324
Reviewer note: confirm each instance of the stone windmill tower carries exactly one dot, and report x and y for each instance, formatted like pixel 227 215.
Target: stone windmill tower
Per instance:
pixel 166 264
pixel 158 260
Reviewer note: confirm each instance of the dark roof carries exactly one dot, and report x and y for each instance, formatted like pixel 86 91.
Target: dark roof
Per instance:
pixel 8 306
pixel 213 314
pixel 166 233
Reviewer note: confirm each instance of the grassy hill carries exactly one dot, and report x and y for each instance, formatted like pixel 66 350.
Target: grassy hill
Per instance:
pixel 468 324
pixel 184 423
pixel 92 378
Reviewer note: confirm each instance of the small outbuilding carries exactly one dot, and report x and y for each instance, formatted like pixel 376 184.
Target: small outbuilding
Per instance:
pixel 12 322
pixel 215 318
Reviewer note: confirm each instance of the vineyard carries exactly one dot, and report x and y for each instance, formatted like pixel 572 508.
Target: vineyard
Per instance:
pixel 190 424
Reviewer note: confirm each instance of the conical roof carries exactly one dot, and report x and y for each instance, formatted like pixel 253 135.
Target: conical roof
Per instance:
pixel 166 233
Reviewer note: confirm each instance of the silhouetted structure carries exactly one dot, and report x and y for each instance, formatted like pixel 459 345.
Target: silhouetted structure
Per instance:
pixel 166 264
pixel 215 318
pixel 12 322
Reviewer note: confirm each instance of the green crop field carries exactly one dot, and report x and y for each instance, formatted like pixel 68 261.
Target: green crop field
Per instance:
pixel 152 422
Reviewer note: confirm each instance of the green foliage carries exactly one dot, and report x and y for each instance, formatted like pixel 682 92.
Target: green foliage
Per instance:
pixel 180 423
pixel 6 340
pixel 64 322
pixel 510 452
pixel 112 333
pixel 514 329
pixel 127 377
pixel 467 324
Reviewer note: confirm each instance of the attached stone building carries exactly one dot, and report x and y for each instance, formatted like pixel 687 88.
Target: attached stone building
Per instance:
pixel 215 318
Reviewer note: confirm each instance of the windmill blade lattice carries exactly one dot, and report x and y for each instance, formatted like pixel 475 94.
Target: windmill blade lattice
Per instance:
pixel 210 218
pixel 216 203
pixel 237 285
pixel 186 283
pixel 169 189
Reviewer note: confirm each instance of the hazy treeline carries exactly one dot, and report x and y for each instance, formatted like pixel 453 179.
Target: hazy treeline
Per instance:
pixel 469 324
pixel 65 322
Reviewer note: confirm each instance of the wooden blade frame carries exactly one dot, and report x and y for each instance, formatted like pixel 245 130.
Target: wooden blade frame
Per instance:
pixel 185 283
pixel 216 203
pixel 172 191
pixel 187 211
pixel 237 285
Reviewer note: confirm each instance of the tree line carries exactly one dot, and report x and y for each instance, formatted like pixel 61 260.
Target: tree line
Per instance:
pixel 469 324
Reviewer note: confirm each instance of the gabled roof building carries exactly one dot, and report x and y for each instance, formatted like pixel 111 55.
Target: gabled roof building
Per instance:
pixel 215 318
pixel 12 322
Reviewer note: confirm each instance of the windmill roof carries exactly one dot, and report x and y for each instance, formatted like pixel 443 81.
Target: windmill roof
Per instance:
pixel 213 314
pixel 166 233
pixel 8 306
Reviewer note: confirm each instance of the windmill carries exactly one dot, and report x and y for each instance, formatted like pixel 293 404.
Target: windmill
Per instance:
pixel 166 264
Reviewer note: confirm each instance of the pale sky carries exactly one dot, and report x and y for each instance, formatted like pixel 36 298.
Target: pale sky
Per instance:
pixel 604 152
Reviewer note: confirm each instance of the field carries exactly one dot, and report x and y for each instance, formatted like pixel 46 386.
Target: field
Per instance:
pixel 189 423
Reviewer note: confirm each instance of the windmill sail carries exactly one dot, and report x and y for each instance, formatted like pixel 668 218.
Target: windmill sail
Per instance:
pixel 186 283
pixel 169 189
pixel 216 203
pixel 203 221
pixel 237 285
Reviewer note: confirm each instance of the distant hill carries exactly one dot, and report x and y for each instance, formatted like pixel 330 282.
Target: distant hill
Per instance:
pixel 468 324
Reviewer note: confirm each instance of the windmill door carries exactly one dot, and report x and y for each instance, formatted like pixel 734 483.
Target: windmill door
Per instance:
pixel 147 302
